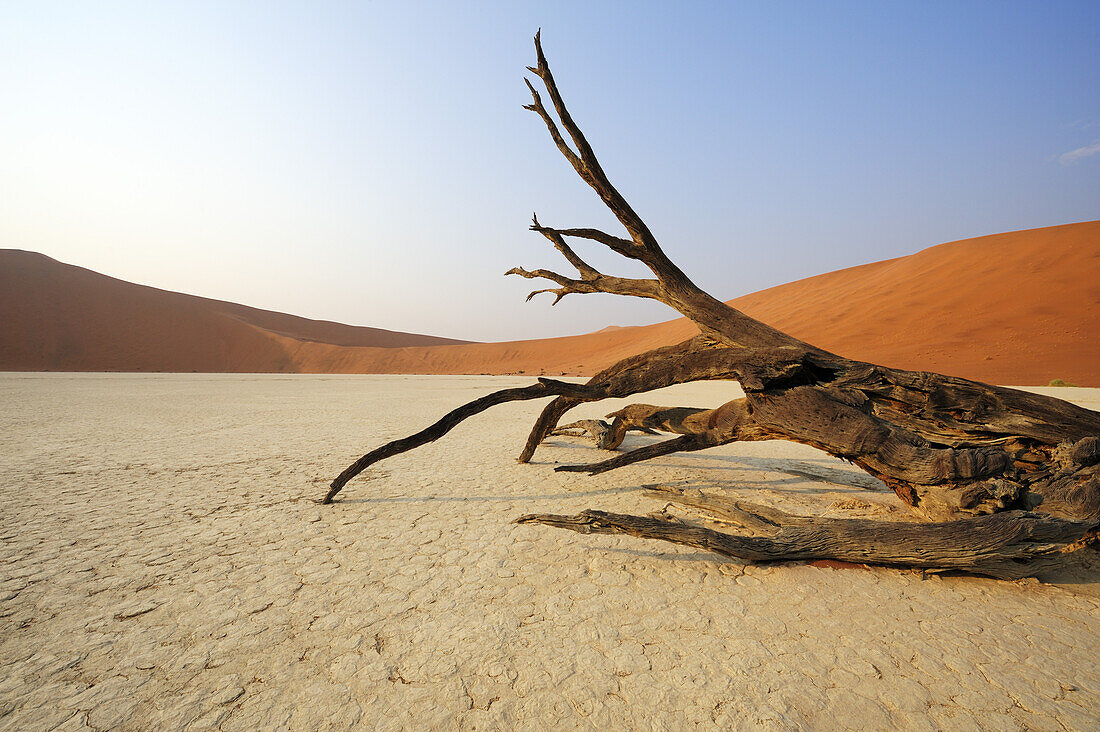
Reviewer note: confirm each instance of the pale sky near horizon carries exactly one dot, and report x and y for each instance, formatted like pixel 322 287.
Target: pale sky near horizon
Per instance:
pixel 371 162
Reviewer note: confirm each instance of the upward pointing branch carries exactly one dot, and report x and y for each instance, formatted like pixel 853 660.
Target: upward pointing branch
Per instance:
pixel 586 164
pixel 672 286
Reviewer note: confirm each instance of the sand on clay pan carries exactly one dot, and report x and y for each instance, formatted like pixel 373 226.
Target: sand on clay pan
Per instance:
pixel 164 565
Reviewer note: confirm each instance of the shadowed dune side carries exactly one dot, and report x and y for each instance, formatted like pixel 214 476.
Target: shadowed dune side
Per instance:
pixel 1015 308
pixel 58 317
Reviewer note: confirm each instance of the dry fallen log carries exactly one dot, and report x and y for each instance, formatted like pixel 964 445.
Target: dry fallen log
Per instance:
pixel 1009 480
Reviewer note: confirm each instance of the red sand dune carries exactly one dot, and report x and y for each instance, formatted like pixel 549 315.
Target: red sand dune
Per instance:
pixel 57 317
pixel 1015 308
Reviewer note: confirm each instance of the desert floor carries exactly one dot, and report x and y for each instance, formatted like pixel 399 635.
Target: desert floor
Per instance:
pixel 165 566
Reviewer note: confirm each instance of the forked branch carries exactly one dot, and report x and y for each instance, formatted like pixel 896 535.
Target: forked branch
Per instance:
pixel 590 280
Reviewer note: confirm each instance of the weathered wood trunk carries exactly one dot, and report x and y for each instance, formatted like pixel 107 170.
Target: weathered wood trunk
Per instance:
pixel 1013 477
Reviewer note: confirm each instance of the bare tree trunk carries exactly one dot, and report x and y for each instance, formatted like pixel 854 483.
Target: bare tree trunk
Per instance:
pixel 1013 477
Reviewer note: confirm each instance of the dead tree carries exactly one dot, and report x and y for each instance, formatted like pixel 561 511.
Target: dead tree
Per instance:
pixel 1004 480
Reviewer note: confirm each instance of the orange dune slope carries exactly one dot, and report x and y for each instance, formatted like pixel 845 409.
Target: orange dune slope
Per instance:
pixel 1015 308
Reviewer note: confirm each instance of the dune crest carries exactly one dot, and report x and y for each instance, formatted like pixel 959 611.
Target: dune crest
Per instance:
pixel 1014 308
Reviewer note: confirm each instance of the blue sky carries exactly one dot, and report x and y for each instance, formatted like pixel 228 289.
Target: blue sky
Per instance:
pixel 371 162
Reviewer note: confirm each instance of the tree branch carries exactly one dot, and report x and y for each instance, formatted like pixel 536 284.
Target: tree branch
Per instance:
pixel 1007 545
pixel 749 515
pixel 684 443
pixel 615 243
pixel 676 290
pixel 584 161
pixel 545 387
pixel 538 108
pixel 585 270
pixel 598 283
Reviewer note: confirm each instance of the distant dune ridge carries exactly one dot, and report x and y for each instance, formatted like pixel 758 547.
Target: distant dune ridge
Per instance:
pixel 58 317
pixel 1015 308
